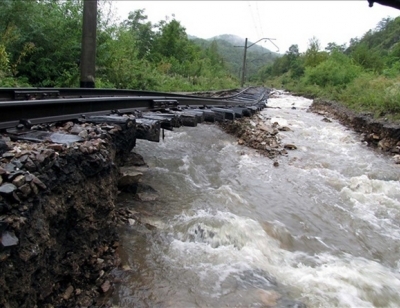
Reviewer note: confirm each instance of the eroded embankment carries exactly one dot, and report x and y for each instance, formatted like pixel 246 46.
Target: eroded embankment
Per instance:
pixel 58 237
pixel 259 133
pixel 382 135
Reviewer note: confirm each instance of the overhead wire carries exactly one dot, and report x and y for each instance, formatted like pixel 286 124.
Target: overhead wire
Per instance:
pixel 252 17
pixel 259 20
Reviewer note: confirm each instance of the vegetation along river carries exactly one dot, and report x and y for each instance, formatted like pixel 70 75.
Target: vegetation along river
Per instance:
pixel 320 230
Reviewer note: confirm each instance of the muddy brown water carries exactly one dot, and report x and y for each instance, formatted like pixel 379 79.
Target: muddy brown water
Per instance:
pixel 320 230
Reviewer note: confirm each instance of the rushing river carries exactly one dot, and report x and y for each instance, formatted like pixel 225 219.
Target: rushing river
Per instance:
pixel 320 230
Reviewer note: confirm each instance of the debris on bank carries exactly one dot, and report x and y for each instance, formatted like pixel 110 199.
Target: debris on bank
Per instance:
pixel 379 134
pixel 256 132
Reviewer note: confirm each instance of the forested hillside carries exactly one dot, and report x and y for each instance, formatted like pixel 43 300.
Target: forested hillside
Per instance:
pixel 40 44
pixel 364 75
pixel 233 56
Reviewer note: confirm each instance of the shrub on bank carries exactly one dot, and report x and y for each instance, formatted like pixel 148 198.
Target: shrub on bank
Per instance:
pixel 374 93
pixel 338 71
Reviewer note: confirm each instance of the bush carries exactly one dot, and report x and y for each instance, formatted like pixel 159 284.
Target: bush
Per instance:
pixel 337 71
pixel 377 94
pixel 391 98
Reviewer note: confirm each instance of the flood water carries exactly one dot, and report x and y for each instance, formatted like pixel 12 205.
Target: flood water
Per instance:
pixel 320 230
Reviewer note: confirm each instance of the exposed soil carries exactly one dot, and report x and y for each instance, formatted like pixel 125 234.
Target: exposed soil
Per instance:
pixel 379 134
pixel 58 221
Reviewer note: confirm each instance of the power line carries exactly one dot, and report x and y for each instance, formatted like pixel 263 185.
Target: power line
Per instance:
pixel 252 17
pixel 259 19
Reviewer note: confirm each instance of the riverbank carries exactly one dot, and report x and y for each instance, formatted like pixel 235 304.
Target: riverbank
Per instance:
pixel 381 135
pixel 255 132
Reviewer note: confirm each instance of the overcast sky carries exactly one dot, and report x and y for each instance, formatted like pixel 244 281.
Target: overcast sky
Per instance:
pixel 288 22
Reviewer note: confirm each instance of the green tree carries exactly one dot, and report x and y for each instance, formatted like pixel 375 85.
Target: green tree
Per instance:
pixel 141 29
pixel 122 67
pixel 331 47
pixel 337 71
pixel 368 58
pixel 171 41
pixel 313 56
pixel 296 65
pixel 41 43
pixel 49 38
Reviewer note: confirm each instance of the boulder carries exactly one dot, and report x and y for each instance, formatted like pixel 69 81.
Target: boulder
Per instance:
pixel 130 175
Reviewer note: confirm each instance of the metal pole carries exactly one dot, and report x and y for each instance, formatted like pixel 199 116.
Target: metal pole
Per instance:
pixel 244 56
pixel 88 52
pixel 244 63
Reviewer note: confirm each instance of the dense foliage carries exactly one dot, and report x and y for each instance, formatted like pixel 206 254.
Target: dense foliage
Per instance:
pixel 40 43
pixel 364 75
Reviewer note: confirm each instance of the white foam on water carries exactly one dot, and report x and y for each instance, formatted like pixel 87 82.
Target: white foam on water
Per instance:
pixel 176 135
pixel 288 101
pixel 376 202
pixel 247 161
pixel 160 169
pixel 223 243
pixel 257 166
pixel 226 195
pixel 186 163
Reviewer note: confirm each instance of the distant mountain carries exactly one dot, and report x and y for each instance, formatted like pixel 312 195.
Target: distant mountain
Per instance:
pixel 231 38
pixel 257 56
pixel 192 37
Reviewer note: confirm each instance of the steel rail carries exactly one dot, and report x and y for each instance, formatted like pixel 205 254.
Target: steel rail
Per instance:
pixel 49 110
pixel 12 94
pixel 30 106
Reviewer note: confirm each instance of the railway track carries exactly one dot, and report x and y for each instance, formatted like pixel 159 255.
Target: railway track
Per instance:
pixel 22 109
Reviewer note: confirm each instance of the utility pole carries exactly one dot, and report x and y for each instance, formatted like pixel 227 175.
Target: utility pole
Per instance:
pixel 88 52
pixel 244 63
pixel 245 53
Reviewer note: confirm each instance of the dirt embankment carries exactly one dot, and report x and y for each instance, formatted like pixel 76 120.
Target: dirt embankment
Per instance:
pixel 58 236
pixel 255 132
pixel 379 134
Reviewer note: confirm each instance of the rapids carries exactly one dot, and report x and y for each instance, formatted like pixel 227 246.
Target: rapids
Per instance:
pixel 320 230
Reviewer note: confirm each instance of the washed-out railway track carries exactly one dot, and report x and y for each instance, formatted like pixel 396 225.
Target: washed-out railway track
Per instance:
pixel 65 154
pixel 24 108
